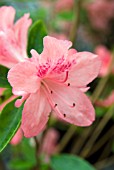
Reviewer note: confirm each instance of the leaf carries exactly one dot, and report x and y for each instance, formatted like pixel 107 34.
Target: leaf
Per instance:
pixel 10 119
pixel 35 38
pixel 20 164
pixel 69 162
pixel 3 77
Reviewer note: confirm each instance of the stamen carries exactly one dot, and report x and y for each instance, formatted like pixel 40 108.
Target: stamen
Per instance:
pixel 55 105
pixel 68 84
pixel 64 115
pixel 74 104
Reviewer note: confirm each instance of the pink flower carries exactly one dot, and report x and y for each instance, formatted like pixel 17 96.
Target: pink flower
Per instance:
pixel 13 37
pixel 49 143
pixel 100 13
pixel 106 59
pixel 55 80
pixel 106 102
pixel 17 137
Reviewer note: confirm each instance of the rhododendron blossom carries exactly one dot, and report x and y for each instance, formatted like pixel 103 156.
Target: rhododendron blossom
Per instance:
pixel 49 143
pixel 106 59
pixel 13 37
pixel 54 81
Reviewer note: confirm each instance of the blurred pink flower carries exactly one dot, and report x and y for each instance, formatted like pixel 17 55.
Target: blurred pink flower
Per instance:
pixel 13 37
pixel 17 137
pixel 55 80
pixel 64 5
pixel 100 12
pixel 1 91
pixel 106 102
pixel 48 146
pixel 106 59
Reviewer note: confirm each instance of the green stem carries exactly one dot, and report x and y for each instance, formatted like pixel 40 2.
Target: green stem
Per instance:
pixel 97 132
pixel 66 138
pixel 76 22
pixel 38 163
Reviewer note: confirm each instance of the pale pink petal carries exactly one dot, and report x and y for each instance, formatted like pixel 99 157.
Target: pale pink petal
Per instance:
pixel 9 52
pixel 70 104
pixel 23 77
pixel 85 70
pixel 35 56
pixel 7 14
pixel 54 48
pixel 21 31
pixel 35 114
pixel 17 137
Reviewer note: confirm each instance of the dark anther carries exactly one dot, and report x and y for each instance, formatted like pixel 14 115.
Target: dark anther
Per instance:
pixel 64 115
pixel 55 105
pixel 74 104
pixel 68 84
pixel 51 92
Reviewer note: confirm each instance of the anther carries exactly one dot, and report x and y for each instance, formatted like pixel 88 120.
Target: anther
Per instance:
pixel 74 104
pixel 68 84
pixel 55 105
pixel 51 91
pixel 64 115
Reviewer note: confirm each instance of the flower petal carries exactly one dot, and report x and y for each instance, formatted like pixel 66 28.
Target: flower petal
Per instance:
pixel 35 114
pixel 86 69
pixel 71 104
pixel 7 14
pixel 21 30
pixel 54 48
pixel 23 77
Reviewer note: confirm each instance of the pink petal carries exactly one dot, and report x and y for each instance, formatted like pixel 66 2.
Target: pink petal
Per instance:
pixel 86 69
pixel 7 14
pixel 23 77
pixel 9 52
pixel 21 32
pixel 17 137
pixel 70 104
pixel 54 48
pixel 35 114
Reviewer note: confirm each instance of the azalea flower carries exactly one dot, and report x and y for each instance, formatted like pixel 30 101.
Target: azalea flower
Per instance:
pixel 106 59
pixel 107 102
pixel 54 80
pixel 13 37
pixel 49 143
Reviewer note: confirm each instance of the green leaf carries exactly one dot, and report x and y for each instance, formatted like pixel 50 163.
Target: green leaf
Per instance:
pixel 69 162
pixel 20 164
pixel 3 77
pixel 10 119
pixel 35 38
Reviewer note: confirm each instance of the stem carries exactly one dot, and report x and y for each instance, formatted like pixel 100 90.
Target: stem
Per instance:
pixel 97 131
pixel 99 88
pixel 103 140
pixel 36 154
pixel 76 22
pixel 66 138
